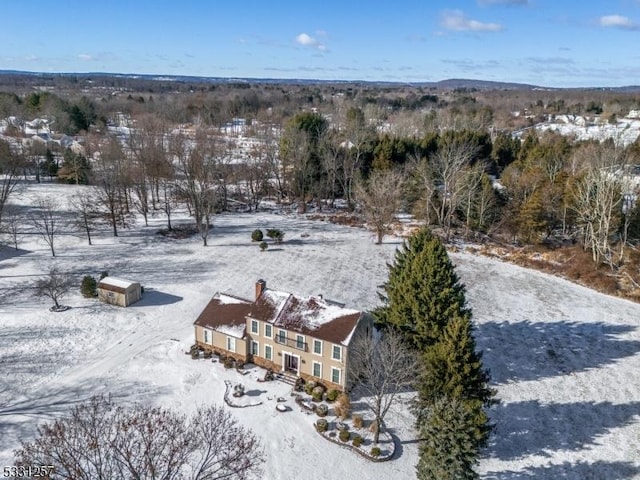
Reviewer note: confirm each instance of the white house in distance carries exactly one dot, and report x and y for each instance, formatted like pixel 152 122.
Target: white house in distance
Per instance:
pixel 118 291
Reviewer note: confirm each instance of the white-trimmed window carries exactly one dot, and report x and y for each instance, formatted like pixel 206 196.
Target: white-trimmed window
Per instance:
pixel 335 375
pixel 208 337
pixel 268 330
pixel 336 352
pixel 282 336
pixel 317 347
pixel 317 370
pixel 300 342
pixel 254 327
pixel 255 348
pixel 231 344
pixel 268 352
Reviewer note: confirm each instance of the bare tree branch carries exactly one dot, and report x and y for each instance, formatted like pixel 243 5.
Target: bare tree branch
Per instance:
pixel 104 441
pixel 381 368
pixel 379 198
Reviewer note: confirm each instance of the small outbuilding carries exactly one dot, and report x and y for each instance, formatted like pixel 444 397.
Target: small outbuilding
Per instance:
pixel 119 291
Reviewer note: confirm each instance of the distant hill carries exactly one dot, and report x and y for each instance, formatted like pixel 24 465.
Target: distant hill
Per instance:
pixel 7 76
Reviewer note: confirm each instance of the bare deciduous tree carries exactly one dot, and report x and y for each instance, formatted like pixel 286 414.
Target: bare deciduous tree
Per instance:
pixel 448 167
pixel 379 198
pixel 253 176
pixel 86 215
pixel 110 177
pixel 55 286
pixel 11 224
pixel 381 368
pixel 36 150
pixel 146 145
pixel 101 440
pixel 10 165
pixel 197 178
pixel 598 198
pixel 47 220
pixel 269 151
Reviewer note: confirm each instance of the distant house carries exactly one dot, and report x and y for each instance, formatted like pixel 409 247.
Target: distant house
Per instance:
pixel 119 291
pixel 306 337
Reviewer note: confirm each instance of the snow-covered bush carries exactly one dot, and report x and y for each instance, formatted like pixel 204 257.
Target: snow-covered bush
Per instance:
pixel 322 410
pixel 309 386
pixel 317 393
pixel 322 425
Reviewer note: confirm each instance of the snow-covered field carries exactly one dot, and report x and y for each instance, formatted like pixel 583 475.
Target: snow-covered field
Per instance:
pixel 565 360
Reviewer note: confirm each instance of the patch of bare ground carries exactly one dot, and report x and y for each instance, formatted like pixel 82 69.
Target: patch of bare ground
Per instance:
pixel 572 263
pixel 342 218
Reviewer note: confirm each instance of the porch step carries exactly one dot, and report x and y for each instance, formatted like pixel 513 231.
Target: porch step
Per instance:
pixel 286 378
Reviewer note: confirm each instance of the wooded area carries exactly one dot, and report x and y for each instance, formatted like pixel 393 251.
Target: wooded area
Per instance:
pixel 466 161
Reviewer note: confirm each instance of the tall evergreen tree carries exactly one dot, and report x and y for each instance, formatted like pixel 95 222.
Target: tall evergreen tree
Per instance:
pixel 423 292
pixel 452 367
pixel 450 446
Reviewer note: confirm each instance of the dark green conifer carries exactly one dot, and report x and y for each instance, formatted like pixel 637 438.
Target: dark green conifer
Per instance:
pixel 450 441
pixel 423 292
pixel 452 367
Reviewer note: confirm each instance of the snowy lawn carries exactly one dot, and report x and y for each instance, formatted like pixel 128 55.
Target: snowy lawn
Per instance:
pixel 563 358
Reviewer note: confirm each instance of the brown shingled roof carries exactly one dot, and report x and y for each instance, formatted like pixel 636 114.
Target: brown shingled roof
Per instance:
pixel 224 311
pixel 308 316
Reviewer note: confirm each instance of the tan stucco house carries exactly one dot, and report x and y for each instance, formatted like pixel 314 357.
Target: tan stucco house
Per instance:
pixel 306 337
pixel 119 291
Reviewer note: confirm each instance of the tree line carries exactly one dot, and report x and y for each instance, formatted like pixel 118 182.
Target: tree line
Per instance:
pixel 441 166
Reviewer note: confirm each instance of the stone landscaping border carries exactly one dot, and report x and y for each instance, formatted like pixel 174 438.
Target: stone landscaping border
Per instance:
pixel 228 397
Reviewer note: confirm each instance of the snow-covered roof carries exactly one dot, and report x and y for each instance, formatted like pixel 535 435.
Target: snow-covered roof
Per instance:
pixel 116 282
pixel 312 316
pixel 232 330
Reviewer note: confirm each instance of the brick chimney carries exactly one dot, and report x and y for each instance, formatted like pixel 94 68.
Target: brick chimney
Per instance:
pixel 261 286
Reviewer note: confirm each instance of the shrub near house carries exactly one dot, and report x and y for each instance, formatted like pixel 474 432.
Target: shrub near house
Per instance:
pixel 306 337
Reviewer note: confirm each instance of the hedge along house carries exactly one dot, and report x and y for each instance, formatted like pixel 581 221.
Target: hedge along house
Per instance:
pixel 119 291
pixel 306 337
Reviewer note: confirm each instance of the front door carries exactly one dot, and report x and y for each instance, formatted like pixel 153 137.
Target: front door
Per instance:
pixel 290 363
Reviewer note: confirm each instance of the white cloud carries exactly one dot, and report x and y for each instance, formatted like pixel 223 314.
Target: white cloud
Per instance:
pixel 456 20
pixel 85 57
pixel 618 21
pixel 307 40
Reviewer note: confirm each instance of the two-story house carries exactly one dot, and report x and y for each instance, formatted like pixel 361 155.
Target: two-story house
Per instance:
pixel 306 337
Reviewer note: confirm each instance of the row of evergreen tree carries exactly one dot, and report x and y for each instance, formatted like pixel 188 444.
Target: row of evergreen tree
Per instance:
pixel 425 302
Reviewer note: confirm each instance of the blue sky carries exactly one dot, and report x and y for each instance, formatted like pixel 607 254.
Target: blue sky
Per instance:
pixel 558 43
